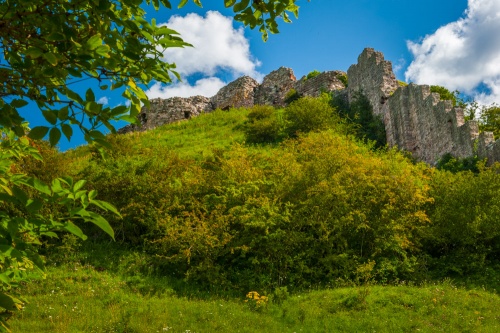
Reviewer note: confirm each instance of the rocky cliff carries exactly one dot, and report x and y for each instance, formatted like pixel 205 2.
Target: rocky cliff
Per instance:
pixel 415 119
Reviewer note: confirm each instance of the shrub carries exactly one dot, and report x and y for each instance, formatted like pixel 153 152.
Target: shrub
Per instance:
pixel 464 236
pixel 291 96
pixel 312 74
pixel 343 78
pixel 263 125
pixel 489 120
pixel 453 164
pixel 445 94
pixel 309 114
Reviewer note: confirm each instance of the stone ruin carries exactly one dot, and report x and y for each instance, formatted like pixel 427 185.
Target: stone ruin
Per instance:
pixel 415 119
pixel 243 92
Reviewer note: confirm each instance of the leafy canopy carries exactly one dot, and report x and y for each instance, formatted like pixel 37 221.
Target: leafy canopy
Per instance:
pixel 49 46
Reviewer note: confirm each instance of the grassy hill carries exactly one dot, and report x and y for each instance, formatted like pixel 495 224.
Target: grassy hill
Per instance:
pixel 293 204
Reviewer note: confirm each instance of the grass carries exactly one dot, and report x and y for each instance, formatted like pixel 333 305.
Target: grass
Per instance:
pixel 198 136
pixel 82 299
pixel 108 289
pixel 104 287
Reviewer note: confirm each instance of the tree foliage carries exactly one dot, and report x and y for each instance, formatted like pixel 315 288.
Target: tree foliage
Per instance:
pixel 48 47
pixel 489 120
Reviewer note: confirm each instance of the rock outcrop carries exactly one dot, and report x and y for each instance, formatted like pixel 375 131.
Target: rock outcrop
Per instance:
pixel 239 93
pixel 274 87
pixel 415 119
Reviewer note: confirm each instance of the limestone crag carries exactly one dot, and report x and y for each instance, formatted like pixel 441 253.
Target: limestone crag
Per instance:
pixel 418 121
pixel 239 93
pixel 274 87
pixel 323 82
pixel 415 119
pixel 373 76
pixel 179 108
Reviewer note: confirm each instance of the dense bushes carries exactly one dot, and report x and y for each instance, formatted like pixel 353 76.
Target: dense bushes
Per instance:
pixel 464 236
pixel 267 125
pixel 263 125
pixel 309 114
pixel 311 210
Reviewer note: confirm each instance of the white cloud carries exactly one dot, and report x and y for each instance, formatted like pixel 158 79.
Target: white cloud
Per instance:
pixel 217 45
pixel 103 100
pixel 463 55
pixel 205 87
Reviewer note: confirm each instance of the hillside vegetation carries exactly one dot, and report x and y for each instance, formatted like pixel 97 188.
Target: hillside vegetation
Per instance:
pixel 282 202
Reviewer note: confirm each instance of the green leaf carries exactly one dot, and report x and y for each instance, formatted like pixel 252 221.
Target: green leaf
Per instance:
pixel 51 58
pixel 63 113
pixel 73 96
pixel 50 116
pixel 101 222
pixel 10 303
pixel 241 6
pixel 94 42
pixel 40 186
pixel 166 3
pixel 18 103
pixel 38 132
pixel 182 3
pixel 54 136
pixel 79 184
pixel 67 131
pixel 105 206
pixel 56 36
pixel 34 206
pixel 75 230
pixel 103 50
pixel 34 52
pixel 89 95
pixel 229 3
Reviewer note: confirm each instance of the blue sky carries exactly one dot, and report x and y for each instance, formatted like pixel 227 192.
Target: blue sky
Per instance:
pixel 454 43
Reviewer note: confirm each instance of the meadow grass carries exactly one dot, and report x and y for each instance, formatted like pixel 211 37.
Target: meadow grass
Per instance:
pixel 104 287
pixel 81 299
pixel 108 289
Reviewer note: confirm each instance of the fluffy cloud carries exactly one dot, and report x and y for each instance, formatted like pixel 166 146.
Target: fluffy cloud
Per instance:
pixel 205 87
pixel 463 55
pixel 218 48
pixel 103 100
pixel 217 45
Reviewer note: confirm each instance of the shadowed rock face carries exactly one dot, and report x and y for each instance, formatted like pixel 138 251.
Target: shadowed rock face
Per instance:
pixel 415 119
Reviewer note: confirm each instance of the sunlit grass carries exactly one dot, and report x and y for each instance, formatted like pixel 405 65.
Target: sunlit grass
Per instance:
pixel 78 298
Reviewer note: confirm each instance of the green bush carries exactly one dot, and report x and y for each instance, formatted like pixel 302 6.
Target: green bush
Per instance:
pixel 453 164
pixel 343 78
pixel 291 96
pixel 464 236
pixel 447 95
pixel 309 114
pixel 263 125
pixel 489 120
pixel 312 74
